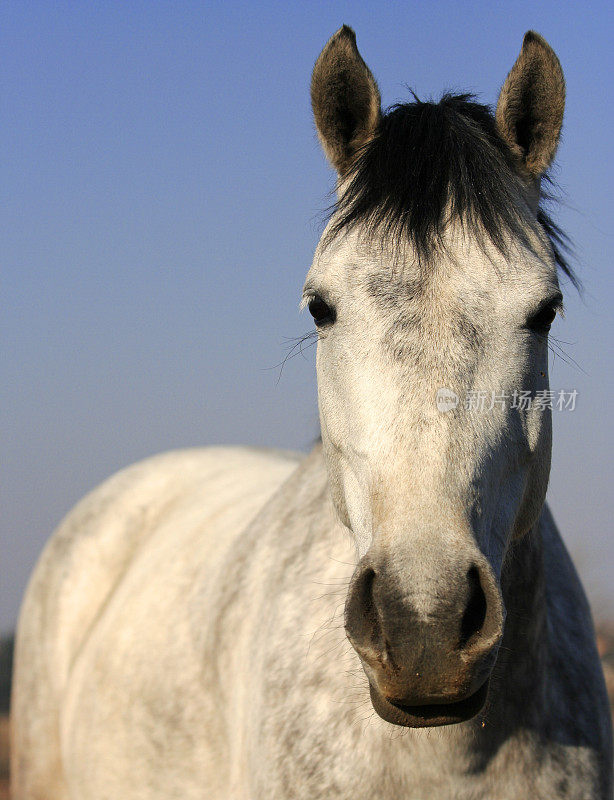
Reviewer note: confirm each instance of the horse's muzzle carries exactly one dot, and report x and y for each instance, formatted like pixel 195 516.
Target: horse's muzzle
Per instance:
pixel 428 655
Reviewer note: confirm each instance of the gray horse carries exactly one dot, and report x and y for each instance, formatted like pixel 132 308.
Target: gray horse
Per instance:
pixel 395 615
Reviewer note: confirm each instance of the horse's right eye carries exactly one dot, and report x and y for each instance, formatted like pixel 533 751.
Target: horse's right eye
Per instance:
pixel 322 313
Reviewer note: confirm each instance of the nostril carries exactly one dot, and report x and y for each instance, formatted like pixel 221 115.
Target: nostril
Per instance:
pixel 475 612
pixel 364 596
pixel 366 586
pixel 361 617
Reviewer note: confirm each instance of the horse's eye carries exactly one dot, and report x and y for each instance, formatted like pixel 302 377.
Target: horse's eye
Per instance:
pixel 541 321
pixel 321 312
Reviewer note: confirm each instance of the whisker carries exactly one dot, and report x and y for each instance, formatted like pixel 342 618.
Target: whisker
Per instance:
pixel 297 347
pixel 554 345
pixel 346 563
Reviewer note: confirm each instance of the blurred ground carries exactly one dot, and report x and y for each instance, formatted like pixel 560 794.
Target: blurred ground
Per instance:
pixel 6 663
pixel 4 758
pixel 605 643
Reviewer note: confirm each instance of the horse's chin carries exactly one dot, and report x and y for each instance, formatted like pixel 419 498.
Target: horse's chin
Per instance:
pixel 432 715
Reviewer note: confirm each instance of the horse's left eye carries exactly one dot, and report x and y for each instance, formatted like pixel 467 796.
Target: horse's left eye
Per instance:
pixel 541 321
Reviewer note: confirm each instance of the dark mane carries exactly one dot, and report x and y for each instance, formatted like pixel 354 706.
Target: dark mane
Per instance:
pixel 432 162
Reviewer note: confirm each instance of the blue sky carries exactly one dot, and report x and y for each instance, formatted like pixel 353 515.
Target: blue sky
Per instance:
pixel 162 194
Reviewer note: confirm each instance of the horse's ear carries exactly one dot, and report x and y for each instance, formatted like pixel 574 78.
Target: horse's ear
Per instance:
pixel 531 104
pixel 345 99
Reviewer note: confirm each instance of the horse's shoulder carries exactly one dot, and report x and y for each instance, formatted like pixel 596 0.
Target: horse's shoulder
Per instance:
pixel 93 546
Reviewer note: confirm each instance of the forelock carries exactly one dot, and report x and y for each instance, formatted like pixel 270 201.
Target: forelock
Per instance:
pixel 431 164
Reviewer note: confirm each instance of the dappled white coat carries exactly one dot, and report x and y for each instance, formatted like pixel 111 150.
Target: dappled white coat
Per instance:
pixel 182 635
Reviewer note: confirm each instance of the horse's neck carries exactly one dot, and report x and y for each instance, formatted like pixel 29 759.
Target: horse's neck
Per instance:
pixel 518 684
pixel 524 592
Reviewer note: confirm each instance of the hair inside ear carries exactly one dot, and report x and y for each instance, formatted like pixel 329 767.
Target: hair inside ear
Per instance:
pixel 345 99
pixel 530 109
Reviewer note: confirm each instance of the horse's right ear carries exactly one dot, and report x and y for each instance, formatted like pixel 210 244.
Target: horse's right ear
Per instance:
pixel 345 99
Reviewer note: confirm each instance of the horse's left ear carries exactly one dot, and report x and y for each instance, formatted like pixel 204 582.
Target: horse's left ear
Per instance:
pixel 530 107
